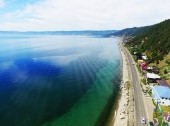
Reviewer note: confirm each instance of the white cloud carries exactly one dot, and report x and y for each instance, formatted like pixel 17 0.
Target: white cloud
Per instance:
pixel 2 3
pixel 86 14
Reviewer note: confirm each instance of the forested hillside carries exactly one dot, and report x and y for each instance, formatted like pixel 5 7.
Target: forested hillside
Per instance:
pixel 153 40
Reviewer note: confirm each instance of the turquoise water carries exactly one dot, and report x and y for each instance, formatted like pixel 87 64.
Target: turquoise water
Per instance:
pixel 52 80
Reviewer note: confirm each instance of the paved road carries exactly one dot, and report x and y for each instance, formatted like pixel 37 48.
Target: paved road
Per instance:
pixel 138 99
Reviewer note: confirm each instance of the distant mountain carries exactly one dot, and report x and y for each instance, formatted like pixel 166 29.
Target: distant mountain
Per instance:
pixel 130 31
pixel 153 40
pixel 102 33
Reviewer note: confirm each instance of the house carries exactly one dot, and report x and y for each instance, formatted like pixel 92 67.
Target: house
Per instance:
pixel 166 117
pixel 152 78
pixel 143 66
pixel 149 69
pixel 134 52
pixel 155 70
pixel 144 57
pixel 161 95
pixel 140 61
pixel 162 83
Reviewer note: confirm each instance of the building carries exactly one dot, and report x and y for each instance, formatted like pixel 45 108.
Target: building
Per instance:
pixel 166 117
pixel 152 78
pixel 155 70
pixel 161 95
pixel 144 57
pixel 143 66
pixel 149 69
pixel 140 61
pixel 162 83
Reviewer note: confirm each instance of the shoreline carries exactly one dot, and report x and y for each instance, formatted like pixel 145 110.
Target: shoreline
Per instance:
pixel 111 118
pixel 115 106
pixel 122 111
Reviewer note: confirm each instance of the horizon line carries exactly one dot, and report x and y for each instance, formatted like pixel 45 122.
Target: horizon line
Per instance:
pixel 56 30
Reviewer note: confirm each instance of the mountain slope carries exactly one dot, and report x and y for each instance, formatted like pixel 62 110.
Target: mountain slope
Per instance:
pixel 131 31
pixel 154 40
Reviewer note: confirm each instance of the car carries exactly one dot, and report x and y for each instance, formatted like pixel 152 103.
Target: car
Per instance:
pixel 143 120
pixel 151 123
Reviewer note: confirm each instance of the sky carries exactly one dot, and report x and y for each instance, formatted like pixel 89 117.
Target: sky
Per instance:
pixel 57 15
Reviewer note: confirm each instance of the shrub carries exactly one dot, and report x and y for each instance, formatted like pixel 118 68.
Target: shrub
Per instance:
pixel 165 71
pixel 144 81
pixel 167 61
pixel 159 119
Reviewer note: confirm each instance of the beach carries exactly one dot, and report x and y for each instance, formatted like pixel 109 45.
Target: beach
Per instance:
pixel 124 113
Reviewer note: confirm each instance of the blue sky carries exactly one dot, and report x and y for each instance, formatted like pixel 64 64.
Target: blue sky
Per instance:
pixel 41 15
pixel 14 5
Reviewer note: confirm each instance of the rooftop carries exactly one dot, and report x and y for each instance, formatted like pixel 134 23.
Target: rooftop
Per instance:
pixel 144 57
pixel 152 76
pixel 162 83
pixel 162 91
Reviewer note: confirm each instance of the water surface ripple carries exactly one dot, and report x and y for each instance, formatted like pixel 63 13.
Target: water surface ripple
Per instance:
pixel 56 80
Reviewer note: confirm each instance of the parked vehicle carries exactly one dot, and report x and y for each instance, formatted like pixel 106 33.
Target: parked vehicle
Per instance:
pixel 143 120
pixel 151 123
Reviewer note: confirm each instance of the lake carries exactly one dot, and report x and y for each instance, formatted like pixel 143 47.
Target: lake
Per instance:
pixel 57 80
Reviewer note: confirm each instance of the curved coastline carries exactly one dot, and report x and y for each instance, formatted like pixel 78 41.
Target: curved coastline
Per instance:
pixel 124 111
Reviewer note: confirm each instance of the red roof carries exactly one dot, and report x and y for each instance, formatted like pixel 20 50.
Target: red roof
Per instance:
pixel 143 66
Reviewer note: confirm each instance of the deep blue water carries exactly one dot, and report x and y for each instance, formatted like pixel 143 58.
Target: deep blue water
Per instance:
pixel 43 77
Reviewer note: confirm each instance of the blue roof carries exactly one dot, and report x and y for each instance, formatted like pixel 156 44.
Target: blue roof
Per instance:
pixel 162 91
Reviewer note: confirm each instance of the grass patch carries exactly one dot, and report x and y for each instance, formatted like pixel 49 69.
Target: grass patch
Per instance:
pixel 144 81
pixel 150 92
pixel 164 124
pixel 164 65
pixel 157 114
pixel 164 61
pixel 166 109
pixel 127 85
pixel 153 102
pixel 164 73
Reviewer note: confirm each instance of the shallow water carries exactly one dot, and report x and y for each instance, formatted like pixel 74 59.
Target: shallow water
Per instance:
pixel 56 80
